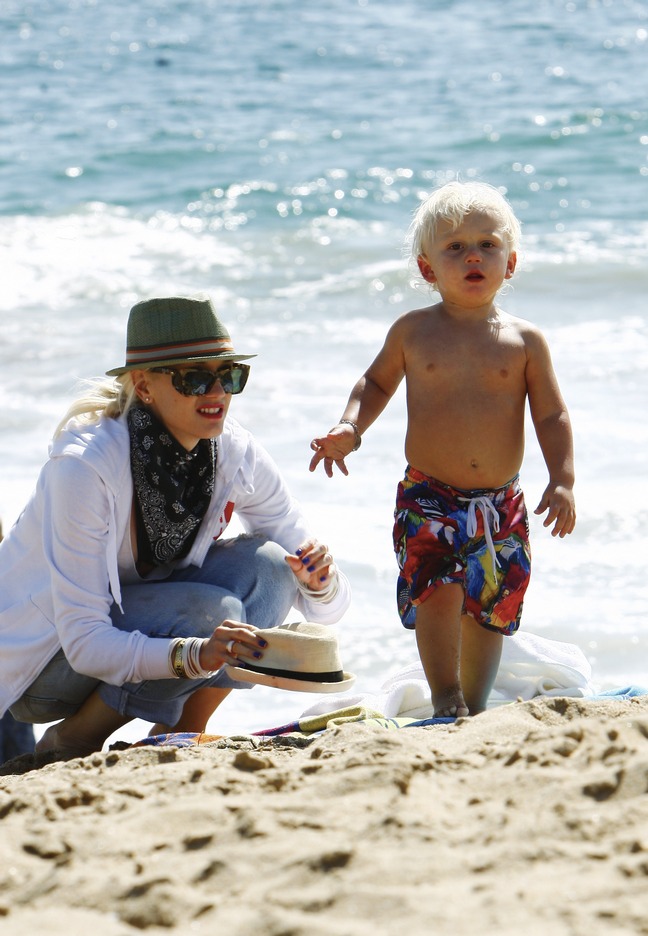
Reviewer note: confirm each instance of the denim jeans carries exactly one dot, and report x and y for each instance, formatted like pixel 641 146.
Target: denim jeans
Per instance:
pixel 243 579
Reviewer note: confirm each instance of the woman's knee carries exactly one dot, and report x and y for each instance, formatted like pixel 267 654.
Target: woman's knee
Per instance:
pixel 254 569
pixel 273 590
pixel 248 565
pixel 271 562
pixel 208 608
pixel 245 554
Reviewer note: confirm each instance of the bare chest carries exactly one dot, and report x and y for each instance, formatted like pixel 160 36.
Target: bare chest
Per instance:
pixel 481 361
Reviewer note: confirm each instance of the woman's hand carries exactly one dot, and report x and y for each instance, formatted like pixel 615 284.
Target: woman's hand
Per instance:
pixel 313 565
pixel 232 641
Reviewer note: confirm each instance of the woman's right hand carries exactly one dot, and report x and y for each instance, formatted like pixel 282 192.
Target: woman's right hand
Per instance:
pixel 232 641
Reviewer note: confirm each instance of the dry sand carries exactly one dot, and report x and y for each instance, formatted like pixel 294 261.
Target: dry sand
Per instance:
pixel 529 819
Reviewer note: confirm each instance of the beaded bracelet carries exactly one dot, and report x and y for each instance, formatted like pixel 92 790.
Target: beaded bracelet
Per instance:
pixel 356 432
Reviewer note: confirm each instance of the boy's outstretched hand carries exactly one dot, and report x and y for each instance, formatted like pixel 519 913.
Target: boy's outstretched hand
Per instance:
pixel 559 501
pixel 333 448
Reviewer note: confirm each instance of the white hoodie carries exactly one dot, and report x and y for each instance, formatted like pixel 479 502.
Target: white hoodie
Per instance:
pixel 59 567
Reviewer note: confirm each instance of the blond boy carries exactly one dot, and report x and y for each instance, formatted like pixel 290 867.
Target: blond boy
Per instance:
pixel 461 527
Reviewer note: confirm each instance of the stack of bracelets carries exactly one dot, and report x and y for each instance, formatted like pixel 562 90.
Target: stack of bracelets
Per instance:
pixel 324 595
pixel 184 658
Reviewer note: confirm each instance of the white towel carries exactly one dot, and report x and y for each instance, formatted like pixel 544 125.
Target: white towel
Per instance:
pixel 530 666
pixel 533 666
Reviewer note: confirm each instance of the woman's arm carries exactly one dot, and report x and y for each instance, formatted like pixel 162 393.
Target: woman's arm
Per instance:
pixel 78 533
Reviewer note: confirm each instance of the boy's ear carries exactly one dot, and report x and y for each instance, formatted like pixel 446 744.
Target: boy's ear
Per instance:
pixel 425 269
pixel 511 265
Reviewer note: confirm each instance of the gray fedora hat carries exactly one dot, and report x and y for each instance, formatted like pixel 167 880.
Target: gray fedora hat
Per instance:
pixel 302 656
pixel 175 330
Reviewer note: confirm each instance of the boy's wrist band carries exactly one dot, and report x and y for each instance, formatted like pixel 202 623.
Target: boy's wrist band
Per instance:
pixel 356 432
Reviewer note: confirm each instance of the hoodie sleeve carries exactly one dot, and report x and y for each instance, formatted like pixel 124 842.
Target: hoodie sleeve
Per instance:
pixel 77 537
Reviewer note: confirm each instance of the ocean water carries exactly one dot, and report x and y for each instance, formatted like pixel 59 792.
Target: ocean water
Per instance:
pixel 272 154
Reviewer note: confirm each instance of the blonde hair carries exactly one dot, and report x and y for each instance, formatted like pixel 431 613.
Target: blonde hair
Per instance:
pixel 452 202
pixel 101 397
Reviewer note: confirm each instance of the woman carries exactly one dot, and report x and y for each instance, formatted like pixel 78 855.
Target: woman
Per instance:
pixel 118 597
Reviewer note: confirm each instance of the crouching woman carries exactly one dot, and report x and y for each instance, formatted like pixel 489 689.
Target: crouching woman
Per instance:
pixel 119 596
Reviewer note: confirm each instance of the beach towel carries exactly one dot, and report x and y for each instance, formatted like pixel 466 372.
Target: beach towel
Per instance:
pixel 530 666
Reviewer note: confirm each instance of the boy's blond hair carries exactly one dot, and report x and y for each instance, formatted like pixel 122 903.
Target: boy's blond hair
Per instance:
pixel 452 202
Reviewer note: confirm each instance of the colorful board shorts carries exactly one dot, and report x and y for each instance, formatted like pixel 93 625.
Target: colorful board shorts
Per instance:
pixel 478 539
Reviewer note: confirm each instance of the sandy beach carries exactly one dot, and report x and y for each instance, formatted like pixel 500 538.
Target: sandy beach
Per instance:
pixel 532 818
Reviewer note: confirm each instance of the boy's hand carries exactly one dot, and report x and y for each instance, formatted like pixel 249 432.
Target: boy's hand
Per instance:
pixel 559 501
pixel 333 447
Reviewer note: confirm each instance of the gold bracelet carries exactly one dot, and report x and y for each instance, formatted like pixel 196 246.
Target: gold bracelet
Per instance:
pixel 176 660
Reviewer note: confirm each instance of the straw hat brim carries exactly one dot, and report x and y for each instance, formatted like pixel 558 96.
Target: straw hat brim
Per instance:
pixel 242 674
pixel 223 356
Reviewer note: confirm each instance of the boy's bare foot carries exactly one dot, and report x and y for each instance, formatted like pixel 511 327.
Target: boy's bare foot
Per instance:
pixel 450 704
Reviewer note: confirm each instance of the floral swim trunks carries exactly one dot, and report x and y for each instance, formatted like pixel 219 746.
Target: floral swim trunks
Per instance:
pixel 477 539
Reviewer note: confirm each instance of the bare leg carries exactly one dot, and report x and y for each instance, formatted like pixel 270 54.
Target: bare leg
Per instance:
pixel 85 731
pixel 197 711
pixel 481 650
pixel 438 636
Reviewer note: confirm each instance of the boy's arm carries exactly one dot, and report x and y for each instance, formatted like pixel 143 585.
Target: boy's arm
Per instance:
pixel 368 399
pixel 366 403
pixel 553 430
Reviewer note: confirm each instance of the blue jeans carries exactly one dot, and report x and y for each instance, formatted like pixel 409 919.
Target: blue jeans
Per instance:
pixel 243 579
pixel 15 738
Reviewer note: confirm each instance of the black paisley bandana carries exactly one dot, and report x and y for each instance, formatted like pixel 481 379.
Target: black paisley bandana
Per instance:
pixel 173 488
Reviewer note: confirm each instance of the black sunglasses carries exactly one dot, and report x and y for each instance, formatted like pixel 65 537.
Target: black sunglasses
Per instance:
pixel 198 381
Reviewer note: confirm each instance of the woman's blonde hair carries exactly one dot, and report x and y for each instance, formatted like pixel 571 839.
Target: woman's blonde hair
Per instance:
pixel 101 397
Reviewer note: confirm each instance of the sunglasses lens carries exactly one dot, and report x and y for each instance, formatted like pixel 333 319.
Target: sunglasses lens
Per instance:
pixel 199 382
pixel 233 379
pixel 194 382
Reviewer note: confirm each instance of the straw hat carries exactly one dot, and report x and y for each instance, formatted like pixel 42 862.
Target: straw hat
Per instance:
pixel 175 330
pixel 302 656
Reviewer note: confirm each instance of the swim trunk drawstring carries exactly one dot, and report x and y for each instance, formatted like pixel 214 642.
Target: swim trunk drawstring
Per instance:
pixel 491 516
